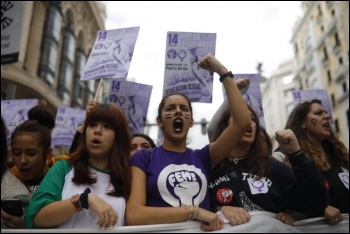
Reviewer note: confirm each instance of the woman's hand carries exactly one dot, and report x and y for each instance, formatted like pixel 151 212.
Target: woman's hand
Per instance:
pixel 12 221
pixel 210 220
pixel 285 218
pixel 210 63
pixel 106 214
pixel 236 215
pixel 242 84
pixel 91 104
pixel 287 141
pixel 333 215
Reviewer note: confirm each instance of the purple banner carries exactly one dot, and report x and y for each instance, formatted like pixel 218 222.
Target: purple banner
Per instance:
pixel 112 54
pixel 67 120
pixel 320 94
pixel 252 95
pixel 133 99
pixel 15 112
pixel 181 72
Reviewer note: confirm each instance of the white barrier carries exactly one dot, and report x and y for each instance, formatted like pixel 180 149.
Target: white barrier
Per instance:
pixel 261 221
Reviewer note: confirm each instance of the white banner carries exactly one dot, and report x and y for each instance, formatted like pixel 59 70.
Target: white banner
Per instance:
pixel 260 222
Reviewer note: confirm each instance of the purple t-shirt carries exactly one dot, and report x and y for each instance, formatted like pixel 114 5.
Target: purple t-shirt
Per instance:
pixel 175 179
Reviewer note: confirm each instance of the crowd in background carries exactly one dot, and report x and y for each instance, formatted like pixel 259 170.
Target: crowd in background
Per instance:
pixel 112 178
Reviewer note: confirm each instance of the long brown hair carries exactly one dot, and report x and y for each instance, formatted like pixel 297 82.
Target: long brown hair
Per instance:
pixel 294 122
pixel 256 153
pixel 120 172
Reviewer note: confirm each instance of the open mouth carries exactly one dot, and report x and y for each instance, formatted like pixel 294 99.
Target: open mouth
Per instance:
pixel 249 130
pixel 178 125
pixel 96 141
pixel 326 125
pixel 24 171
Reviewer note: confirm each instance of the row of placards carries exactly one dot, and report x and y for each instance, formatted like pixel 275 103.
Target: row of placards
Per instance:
pixel 14 112
pixel 110 58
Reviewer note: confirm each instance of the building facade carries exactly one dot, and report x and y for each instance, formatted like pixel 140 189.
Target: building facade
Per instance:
pixel 320 41
pixel 277 98
pixel 56 40
pixel 321 52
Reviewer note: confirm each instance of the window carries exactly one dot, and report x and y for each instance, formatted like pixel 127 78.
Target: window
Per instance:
pixel 49 46
pixel 66 67
pixel 340 60
pixel 333 100
pixel 53 23
pixel 329 76
pixel 325 53
pixel 47 77
pixel 80 61
pixel 49 54
pixel 78 86
pixel 336 40
pixel 65 78
pixel 319 10
pixel 336 125
pixel 65 99
pixel 344 86
pixel 68 46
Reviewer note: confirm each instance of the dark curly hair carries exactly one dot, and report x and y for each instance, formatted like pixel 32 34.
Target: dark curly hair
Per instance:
pixel 332 143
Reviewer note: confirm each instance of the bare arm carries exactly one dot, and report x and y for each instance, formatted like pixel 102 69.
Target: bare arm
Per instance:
pixel 47 216
pixel 243 85
pixel 239 113
pixel 137 213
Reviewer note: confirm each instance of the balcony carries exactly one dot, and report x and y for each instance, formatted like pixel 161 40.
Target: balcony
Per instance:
pixel 340 72
pixel 337 49
pixel 344 97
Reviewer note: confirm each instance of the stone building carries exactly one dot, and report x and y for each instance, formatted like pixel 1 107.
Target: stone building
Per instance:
pixel 56 40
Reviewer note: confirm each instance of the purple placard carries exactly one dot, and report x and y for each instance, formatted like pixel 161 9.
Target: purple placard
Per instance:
pixel 133 99
pixel 181 71
pixel 112 54
pixel 253 95
pixel 15 112
pixel 320 94
pixel 67 120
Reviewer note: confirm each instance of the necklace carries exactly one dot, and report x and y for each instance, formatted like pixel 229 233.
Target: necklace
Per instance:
pixel 236 159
